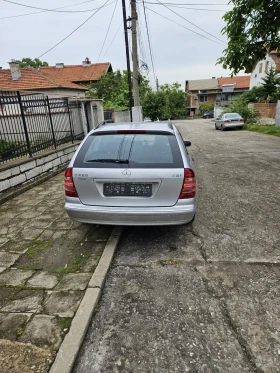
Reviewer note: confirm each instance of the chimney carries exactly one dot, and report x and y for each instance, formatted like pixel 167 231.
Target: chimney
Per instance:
pixel 15 70
pixel 59 65
pixel 86 62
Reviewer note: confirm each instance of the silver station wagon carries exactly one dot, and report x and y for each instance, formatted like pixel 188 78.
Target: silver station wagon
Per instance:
pixel 131 174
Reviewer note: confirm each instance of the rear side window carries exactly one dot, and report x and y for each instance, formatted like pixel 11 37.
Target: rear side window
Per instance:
pixel 130 151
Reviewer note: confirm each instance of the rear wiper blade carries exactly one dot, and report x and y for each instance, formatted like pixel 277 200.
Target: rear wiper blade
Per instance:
pixel 108 160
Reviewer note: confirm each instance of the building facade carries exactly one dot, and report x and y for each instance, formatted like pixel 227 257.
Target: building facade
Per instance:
pixel 216 91
pixel 272 60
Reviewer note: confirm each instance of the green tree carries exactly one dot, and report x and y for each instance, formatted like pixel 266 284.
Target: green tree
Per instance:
pixel 29 62
pixel 256 94
pixel 113 89
pixel 271 82
pixel 169 102
pixel 155 105
pixel 206 107
pixel 176 100
pixel 253 29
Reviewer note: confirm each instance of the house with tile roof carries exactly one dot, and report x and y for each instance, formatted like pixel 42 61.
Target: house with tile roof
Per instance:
pixel 200 91
pixel 30 79
pixel 83 74
pixel 232 87
pixel 215 90
pixel 272 60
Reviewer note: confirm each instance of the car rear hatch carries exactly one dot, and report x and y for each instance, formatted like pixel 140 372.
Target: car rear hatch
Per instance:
pixel 129 169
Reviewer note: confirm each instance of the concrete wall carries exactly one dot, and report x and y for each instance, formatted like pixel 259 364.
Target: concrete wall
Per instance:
pixel 217 111
pixel 23 171
pixel 121 116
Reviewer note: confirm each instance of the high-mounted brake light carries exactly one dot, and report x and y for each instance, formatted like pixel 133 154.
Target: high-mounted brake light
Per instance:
pixel 189 184
pixel 70 190
pixel 131 131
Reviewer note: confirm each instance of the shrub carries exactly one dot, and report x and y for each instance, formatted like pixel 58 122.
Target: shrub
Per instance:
pixel 205 107
pixel 240 106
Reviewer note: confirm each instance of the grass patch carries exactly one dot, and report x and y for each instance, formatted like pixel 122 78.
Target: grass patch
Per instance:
pixel 37 246
pixel 260 128
pixel 78 261
pixel 65 322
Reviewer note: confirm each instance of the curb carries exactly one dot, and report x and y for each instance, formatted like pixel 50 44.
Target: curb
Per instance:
pixel 72 342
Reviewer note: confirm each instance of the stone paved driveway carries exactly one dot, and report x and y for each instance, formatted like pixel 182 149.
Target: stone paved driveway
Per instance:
pixel 46 261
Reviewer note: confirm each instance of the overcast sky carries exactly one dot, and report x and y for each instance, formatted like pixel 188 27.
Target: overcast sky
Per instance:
pixel 179 54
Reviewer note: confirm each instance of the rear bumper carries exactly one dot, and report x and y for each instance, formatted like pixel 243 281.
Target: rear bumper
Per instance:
pixel 174 215
pixel 234 124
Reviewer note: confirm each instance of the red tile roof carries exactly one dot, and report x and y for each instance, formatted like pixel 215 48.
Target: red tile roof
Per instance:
pixel 32 79
pixel 78 73
pixel 241 81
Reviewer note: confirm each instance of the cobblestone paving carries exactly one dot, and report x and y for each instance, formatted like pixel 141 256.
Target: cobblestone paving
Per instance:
pixel 46 261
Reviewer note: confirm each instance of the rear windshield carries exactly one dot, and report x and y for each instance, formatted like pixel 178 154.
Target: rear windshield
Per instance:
pixel 232 115
pixel 132 150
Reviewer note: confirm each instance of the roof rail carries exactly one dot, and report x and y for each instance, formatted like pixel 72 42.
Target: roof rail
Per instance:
pixel 104 122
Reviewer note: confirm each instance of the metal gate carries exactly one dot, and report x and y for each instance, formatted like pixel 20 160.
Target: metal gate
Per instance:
pixel 30 124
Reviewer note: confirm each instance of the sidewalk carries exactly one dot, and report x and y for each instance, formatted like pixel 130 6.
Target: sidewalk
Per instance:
pixel 46 261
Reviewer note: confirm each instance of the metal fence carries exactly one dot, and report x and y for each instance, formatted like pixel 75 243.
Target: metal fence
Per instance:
pixel 30 124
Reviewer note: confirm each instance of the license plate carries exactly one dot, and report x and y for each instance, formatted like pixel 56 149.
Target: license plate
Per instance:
pixel 127 190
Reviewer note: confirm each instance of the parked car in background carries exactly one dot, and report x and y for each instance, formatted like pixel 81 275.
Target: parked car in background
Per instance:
pixel 229 120
pixel 132 174
pixel 209 114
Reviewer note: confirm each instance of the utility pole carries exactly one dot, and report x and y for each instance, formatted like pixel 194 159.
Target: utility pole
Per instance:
pixel 135 53
pixel 127 59
pixel 157 84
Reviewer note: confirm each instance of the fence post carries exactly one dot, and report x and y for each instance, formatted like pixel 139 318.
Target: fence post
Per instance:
pixel 50 115
pixel 24 124
pixel 70 121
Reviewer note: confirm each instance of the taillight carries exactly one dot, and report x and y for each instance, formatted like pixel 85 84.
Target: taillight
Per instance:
pixel 189 184
pixel 227 121
pixel 70 190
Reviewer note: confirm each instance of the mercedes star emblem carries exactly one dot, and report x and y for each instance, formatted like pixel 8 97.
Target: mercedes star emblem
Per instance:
pixel 126 173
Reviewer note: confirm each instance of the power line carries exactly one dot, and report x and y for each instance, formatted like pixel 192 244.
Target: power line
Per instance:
pixel 71 33
pixel 208 33
pixel 110 23
pixel 149 41
pixel 197 33
pixel 190 4
pixel 43 10
pixel 112 40
pixel 184 7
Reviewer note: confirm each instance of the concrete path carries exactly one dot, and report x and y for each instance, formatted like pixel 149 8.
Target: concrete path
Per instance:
pixel 46 262
pixel 206 299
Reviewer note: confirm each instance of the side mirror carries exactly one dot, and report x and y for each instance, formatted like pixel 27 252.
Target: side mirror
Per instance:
pixel 187 143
